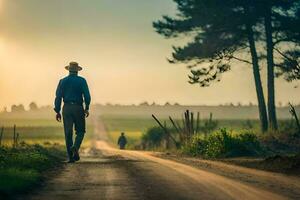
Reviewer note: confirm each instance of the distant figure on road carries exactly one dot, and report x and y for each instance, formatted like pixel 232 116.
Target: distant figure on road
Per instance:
pixel 122 141
pixel 73 90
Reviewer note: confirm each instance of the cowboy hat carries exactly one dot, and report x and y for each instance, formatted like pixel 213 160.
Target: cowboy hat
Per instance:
pixel 73 67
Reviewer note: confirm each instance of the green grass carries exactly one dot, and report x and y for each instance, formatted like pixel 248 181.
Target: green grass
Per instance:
pixel 223 143
pixel 22 168
pixel 39 130
pixel 40 134
pixel 17 180
pixel 23 122
pixel 35 122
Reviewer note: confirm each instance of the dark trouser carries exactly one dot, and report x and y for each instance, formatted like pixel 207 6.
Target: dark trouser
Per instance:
pixel 73 115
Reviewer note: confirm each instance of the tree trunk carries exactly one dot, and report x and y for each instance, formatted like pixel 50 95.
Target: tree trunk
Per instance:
pixel 256 72
pixel 270 62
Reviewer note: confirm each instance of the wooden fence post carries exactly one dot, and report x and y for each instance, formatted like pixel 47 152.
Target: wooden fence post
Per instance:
pixel 184 125
pixel 175 126
pixel 192 123
pixel 166 131
pixel 187 121
pixel 198 122
pixel 294 114
pixel 167 137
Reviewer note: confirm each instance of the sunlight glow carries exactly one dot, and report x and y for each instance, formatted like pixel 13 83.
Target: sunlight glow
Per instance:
pixel 2 43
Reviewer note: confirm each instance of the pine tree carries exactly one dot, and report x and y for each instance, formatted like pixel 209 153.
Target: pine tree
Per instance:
pixel 221 33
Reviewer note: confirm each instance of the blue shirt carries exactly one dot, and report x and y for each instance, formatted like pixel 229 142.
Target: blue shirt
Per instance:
pixel 72 89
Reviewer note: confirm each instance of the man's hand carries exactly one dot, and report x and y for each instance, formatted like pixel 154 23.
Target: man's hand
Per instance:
pixel 87 113
pixel 58 117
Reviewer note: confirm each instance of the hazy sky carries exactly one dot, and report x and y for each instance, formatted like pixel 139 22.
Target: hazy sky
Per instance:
pixel 124 59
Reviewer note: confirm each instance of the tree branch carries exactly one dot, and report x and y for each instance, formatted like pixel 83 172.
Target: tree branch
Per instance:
pixel 242 60
pixel 286 57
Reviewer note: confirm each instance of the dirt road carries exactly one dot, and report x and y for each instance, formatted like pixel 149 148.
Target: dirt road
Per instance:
pixel 108 173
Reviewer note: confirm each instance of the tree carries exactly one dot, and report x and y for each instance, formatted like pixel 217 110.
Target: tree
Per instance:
pixel 145 103
pixel 279 20
pixel 270 66
pixel 33 106
pixel 153 104
pixel 4 109
pixel 220 34
pixel 17 108
pixel 256 71
pixel 167 104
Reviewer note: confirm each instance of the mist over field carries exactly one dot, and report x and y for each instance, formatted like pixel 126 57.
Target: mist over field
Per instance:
pixel 145 111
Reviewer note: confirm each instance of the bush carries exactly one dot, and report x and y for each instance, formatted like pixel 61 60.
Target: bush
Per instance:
pixel 196 146
pixel 281 142
pixel 153 137
pixel 15 180
pixel 288 127
pixel 223 144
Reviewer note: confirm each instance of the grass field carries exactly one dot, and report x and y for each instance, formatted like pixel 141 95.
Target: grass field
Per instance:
pixel 39 131
pixel 25 122
pixel 133 127
pixel 44 130
pixel 22 168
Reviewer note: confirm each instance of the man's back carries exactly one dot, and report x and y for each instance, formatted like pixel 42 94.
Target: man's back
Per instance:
pixel 122 140
pixel 72 89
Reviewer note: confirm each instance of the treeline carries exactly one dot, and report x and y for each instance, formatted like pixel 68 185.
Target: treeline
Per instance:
pixel 34 106
pixel 226 111
pixel 21 108
pixel 219 112
pixel 238 104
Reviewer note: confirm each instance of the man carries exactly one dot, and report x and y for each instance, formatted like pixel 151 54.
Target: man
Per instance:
pixel 122 141
pixel 73 90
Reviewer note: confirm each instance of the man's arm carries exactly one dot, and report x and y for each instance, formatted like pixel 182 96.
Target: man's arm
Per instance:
pixel 86 95
pixel 58 98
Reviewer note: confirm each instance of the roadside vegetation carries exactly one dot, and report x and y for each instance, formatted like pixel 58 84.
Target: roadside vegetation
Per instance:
pixel 227 143
pixel 223 143
pixel 273 150
pixel 24 167
pixel 145 133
